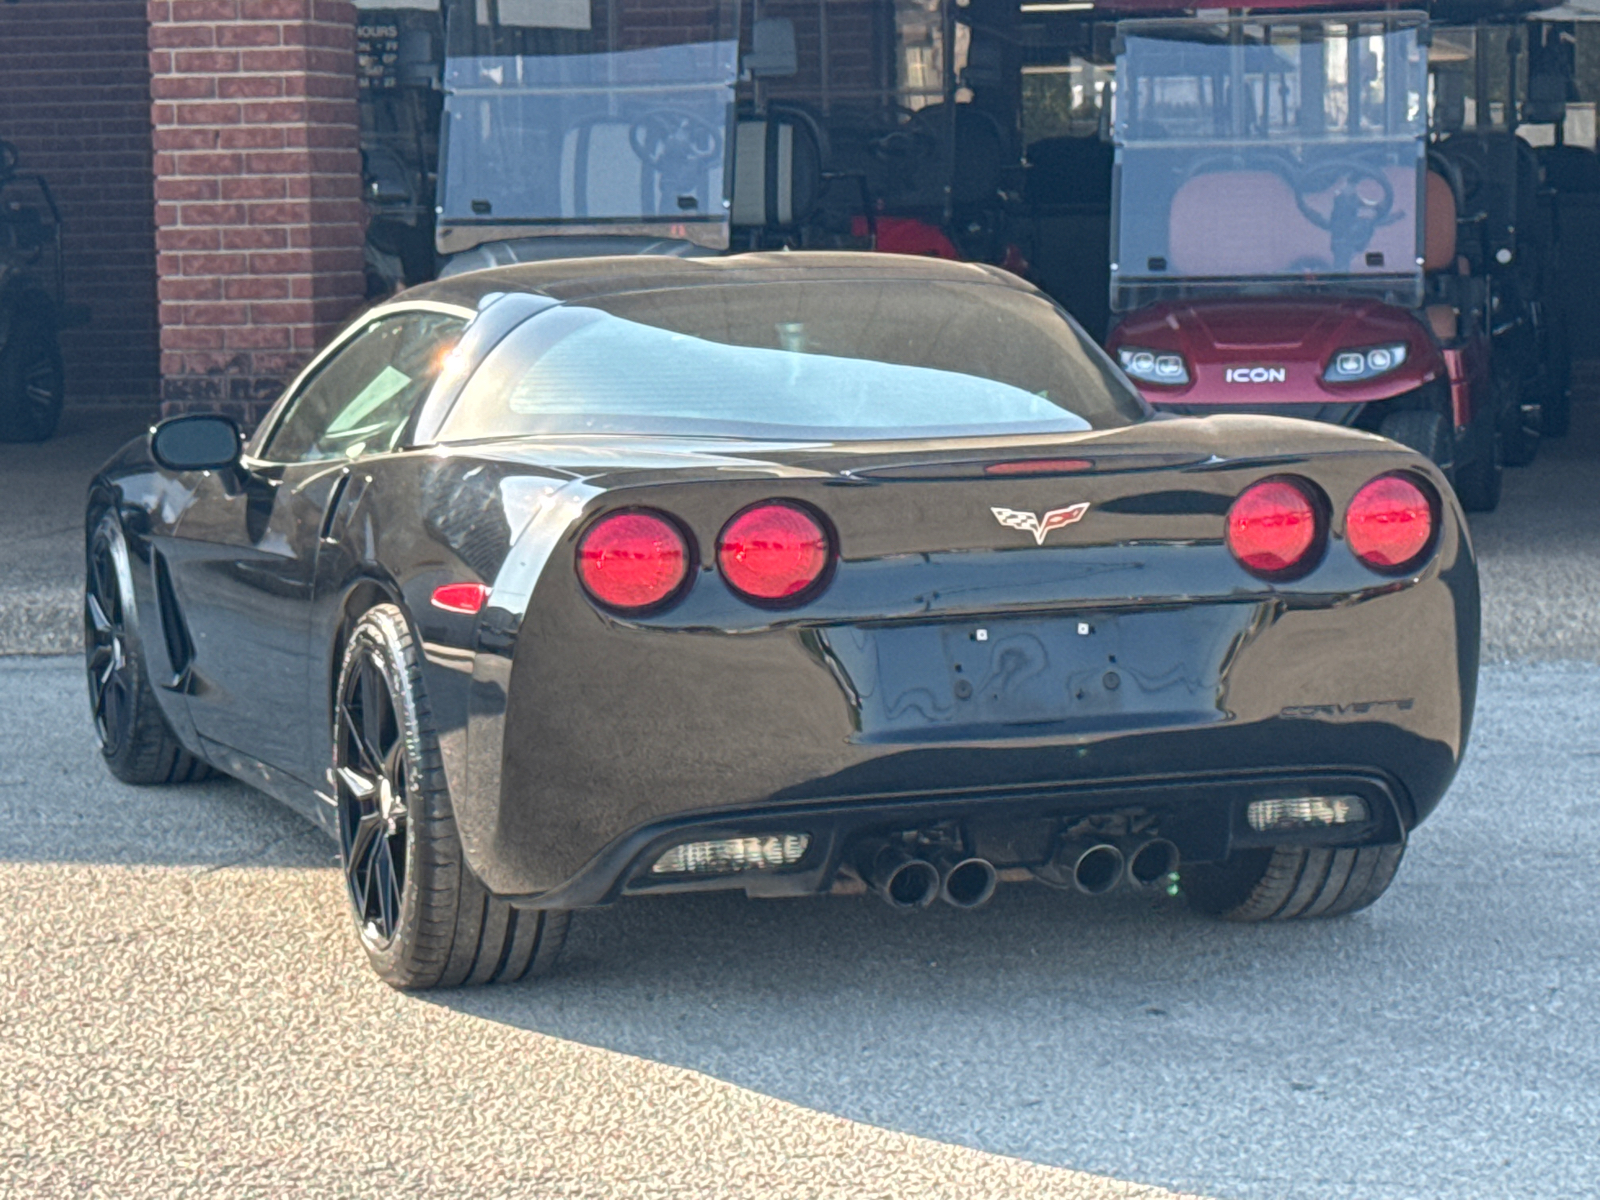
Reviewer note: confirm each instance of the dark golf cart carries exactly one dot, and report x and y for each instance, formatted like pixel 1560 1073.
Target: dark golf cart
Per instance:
pixel 32 304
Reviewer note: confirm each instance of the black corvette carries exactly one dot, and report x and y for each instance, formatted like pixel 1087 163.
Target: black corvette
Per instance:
pixel 553 584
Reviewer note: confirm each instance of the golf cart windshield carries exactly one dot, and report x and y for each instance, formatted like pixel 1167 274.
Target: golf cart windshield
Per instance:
pixel 588 115
pixel 1269 156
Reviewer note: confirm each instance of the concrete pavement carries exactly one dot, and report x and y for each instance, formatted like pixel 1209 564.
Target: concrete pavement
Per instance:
pixel 183 1011
pixel 42 491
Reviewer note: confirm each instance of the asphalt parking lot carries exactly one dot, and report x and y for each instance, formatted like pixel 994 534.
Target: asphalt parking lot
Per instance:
pixel 184 1011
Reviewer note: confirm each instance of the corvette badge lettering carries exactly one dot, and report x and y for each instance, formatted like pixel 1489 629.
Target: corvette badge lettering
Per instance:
pixel 1255 375
pixel 1040 527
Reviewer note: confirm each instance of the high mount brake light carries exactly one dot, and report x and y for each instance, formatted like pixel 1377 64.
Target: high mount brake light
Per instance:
pixel 466 598
pixel 1389 524
pixel 1272 527
pixel 773 552
pixel 633 560
pixel 1038 466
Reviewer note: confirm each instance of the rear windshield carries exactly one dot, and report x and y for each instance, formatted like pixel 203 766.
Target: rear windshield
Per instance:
pixel 798 359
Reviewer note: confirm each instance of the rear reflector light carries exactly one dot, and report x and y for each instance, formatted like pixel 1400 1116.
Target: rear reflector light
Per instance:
pixel 1309 812
pixel 461 597
pixel 633 560
pixel 773 552
pixel 1038 466
pixel 1272 527
pixel 732 855
pixel 1389 523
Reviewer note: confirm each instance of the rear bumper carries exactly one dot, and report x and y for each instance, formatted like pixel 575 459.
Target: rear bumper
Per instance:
pixel 1204 817
pixel 623 738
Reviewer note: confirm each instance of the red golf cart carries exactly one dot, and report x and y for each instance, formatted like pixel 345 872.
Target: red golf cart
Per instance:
pixel 1283 240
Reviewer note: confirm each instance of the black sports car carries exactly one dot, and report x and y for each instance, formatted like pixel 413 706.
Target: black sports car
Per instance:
pixel 553 584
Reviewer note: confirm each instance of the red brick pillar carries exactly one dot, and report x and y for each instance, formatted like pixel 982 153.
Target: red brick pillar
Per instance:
pixel 259 221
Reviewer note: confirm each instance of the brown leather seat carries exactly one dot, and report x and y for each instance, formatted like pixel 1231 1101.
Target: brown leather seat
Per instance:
pixel 1439 225
pixel 1439 250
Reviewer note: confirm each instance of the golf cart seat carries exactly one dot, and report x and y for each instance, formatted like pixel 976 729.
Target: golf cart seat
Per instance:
pixel 777 173
pixel 1248 221
pixel 1439 255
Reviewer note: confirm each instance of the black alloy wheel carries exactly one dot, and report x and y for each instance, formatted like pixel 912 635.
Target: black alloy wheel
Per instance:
pixel 32 383
pixel 111 674
pixel 135 739
pixel 373 824
pixel 422 917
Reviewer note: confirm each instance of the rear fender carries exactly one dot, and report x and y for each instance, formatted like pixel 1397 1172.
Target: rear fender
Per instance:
pixel 474 755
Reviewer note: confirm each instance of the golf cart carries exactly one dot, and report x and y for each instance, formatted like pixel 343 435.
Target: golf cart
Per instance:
pixel 1283 241
pixel 32 308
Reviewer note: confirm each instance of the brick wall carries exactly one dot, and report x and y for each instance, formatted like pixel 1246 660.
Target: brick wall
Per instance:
pixel 258 207
pixel 75 98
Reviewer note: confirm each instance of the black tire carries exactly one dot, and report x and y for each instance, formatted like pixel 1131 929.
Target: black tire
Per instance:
pixel 1519 425
pixel 1286 884
pixel 1557 406
pixel 421 915
pixel 1479 480
pixel 1558 410
pixel 1428 433
pixel 32 382
pixel 135 739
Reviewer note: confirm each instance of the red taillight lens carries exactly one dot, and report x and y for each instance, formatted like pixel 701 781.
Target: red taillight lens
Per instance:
pixel 633 560
pixel 773 552
pixel 1389 523
pixel 1272 527
pixel 461 597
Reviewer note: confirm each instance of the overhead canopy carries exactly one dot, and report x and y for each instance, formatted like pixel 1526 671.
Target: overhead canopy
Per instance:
pixel 1572 10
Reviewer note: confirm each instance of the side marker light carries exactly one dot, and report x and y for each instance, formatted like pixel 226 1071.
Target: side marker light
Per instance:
pixel 466 598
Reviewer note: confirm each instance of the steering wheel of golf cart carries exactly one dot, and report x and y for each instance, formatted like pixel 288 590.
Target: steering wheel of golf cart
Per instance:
pixel 1350 175
pixel 901 137
pixel 669 138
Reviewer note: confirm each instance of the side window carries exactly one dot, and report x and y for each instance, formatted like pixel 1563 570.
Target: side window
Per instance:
pixel 360 399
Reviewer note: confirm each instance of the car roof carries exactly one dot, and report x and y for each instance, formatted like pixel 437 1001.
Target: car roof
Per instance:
pixel 583 278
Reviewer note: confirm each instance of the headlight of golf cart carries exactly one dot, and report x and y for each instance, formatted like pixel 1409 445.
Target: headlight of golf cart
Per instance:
pixel 1154 366
pixel 1352 366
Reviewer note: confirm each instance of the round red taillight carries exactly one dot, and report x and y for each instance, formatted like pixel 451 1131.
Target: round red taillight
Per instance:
pixel 1389 523
pixel 633 560
pixel 1272 527
pixel 773 552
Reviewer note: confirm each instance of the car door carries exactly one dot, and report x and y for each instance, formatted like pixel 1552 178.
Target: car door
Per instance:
pixel 244 553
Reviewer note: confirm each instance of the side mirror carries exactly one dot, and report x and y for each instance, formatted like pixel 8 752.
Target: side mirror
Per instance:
pixel 198 442
pixel 772 50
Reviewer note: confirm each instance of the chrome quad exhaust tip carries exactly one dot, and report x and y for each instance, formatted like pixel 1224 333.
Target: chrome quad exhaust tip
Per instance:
pixel 905 882
pixel 968 882
pixel 1095 867
pixel 1151 862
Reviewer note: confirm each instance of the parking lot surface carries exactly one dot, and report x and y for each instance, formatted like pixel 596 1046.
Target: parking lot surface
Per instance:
pixel 184 1011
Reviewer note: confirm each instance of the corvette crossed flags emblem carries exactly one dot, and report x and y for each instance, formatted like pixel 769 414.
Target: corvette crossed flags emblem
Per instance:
pixel 1040 527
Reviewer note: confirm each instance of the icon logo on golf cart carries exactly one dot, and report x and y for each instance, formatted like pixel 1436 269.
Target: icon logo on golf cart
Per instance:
pixel 1255 375
pixel 1040 527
